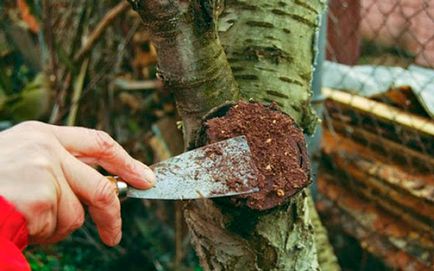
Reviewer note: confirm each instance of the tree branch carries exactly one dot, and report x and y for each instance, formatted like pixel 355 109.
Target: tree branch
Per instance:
pixel 191 60
pixel 111 15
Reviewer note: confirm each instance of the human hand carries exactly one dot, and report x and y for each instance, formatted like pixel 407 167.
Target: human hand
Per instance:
pixel 43 172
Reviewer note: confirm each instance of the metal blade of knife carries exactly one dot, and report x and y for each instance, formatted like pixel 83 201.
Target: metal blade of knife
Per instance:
pixel 220 169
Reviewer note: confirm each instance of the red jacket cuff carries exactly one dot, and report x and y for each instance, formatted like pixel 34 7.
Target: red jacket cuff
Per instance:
pixel 13 226
pixel 11 258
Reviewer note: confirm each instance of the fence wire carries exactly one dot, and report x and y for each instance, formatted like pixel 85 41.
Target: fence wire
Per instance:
pixel 376 181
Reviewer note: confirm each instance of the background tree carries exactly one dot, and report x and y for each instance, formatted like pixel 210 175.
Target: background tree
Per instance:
pixel 210 52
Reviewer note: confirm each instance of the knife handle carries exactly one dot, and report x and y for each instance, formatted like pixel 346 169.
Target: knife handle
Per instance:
pixel 121 186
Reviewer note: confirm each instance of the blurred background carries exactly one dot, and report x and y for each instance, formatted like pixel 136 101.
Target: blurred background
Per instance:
pixel 90 63
pixel 375 182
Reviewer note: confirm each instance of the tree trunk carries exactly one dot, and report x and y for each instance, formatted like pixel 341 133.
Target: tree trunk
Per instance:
pixel 270 51
pixel 271 48
pixel 191 61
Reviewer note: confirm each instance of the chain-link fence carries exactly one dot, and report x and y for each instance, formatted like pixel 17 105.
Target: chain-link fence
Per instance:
pixel 376 176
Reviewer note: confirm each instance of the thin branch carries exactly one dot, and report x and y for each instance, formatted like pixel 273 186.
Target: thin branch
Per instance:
pixel 179 236
pixel 49 39
pixel 137 85
pixel 78 88
pixel 111 15
pixel 191 60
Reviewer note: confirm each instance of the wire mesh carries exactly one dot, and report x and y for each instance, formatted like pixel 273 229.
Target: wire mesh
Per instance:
pixel 376 181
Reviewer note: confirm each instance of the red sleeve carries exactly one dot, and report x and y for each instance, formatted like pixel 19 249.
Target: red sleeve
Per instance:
pixel 13 238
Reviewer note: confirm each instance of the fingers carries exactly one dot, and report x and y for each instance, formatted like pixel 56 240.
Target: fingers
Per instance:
pixel 98 193
pixel 45 210
pixel 39 197
pixel 87 143
pixel 70 213
pixel 58 181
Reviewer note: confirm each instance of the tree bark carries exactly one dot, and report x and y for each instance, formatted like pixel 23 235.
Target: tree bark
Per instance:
pixel 271 48
pixel 270 51
pixel 191 61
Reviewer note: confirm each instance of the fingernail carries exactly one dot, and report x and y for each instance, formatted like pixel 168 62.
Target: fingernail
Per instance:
pixel 147 174
pixel 117 239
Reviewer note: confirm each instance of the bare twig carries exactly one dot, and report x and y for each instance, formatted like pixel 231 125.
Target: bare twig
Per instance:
pixel 109 17
pixel 49 61
pixel 56 112
pixel 100 28
pixel 49 39
pixel 78 88
pixel 179 222
pixel 137 85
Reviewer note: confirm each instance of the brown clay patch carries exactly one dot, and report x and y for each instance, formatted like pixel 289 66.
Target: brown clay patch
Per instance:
pixel 278 151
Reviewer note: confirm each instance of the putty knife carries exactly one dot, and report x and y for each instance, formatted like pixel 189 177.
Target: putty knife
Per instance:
pixel 220 169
